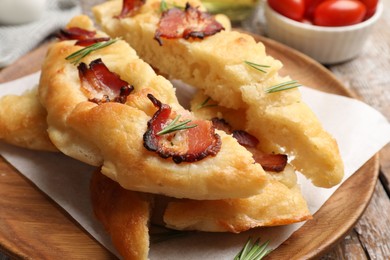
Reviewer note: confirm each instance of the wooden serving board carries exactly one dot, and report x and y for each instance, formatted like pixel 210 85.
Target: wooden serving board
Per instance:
pixel 33 226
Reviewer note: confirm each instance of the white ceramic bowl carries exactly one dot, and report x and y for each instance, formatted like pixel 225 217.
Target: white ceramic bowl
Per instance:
pixel 21 11
pixel 328 45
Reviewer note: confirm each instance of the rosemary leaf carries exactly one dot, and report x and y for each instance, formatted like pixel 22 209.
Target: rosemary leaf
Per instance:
pixel 262 251
pixel 256 66
pixel 283 86
pixel 253 251
pixel 77 56
pixel 163 6
pixel 172 127
pixel 204 104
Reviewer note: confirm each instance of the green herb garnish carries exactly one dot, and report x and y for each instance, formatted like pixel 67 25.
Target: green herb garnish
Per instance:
pixel 256 66
pixel 253 251
pixel 204 104
pixel 76 57
pixel 164 6
pixel 283 86
pixel 172 127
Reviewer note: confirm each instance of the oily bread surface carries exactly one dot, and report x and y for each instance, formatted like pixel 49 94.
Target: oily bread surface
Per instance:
pixel 201 63
pixel 281 202
pixel 124 214
pixel 276 205
pixel 111 134
pixel 23 121
pixel 216 65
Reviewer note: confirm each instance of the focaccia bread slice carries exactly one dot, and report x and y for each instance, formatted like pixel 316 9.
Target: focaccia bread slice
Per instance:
pixel 277 205
pixel 280 203
pixel 23 121
pixel 112 134
pixel 124 214
pixel 219 65
pixel 127 215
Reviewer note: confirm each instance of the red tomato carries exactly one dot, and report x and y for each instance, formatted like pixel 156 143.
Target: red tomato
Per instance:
pixel 293 9
pixel 310 6
pixel 339 13
pixel 371 7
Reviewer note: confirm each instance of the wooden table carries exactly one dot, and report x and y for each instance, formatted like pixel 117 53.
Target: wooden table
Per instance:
pixel 369 77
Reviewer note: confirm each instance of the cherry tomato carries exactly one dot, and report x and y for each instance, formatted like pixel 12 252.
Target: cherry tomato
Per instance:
pixel 310 6
pixel 339 13
pixel 371 7
pixel 293 9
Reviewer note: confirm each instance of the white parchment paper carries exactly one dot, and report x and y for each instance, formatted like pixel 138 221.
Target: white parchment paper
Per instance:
pixel 359 130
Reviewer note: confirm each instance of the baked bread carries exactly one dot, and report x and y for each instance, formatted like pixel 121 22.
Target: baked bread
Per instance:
pixel 124 214
pixel 280 203
pixel 277 205
pixel 112 134
pixel 23 122
pixel 217 65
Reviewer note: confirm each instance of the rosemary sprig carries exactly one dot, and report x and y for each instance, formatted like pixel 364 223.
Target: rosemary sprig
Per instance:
pixel 172 126
pixel 256 66
pixel 204 104
pixel 283 86
pixel 164 6
pixel 253 251
pixel 76 57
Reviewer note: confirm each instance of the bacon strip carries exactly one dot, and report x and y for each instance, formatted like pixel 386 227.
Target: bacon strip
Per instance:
pixel 269 162
pixel 101 84
pixel 188 23
pixel 245 139
pixel 84 37
pixel 222 125
pixel 129 7
pixel 75 33
pixel 193 145
pixel 88 42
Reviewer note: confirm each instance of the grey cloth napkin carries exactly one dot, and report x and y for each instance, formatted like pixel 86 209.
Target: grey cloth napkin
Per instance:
pixel 17 40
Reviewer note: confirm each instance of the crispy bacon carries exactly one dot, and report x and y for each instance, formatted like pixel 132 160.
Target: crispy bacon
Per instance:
pixel 269 162
pixel 102 85
pixel 129 7
pixel 88 42
pixel 84 37
pixel 245 139
pixel 222 125
pixel 188 23
pixel 189 145
pixel 75 33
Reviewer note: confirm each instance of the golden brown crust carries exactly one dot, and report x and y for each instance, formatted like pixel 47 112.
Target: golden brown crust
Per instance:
pixel 276 205
pixel 315 152
pixel 111 134
pixel 217 66
pixel 280 203
pixel 124 214
pixel 23 121
pixel 210 64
